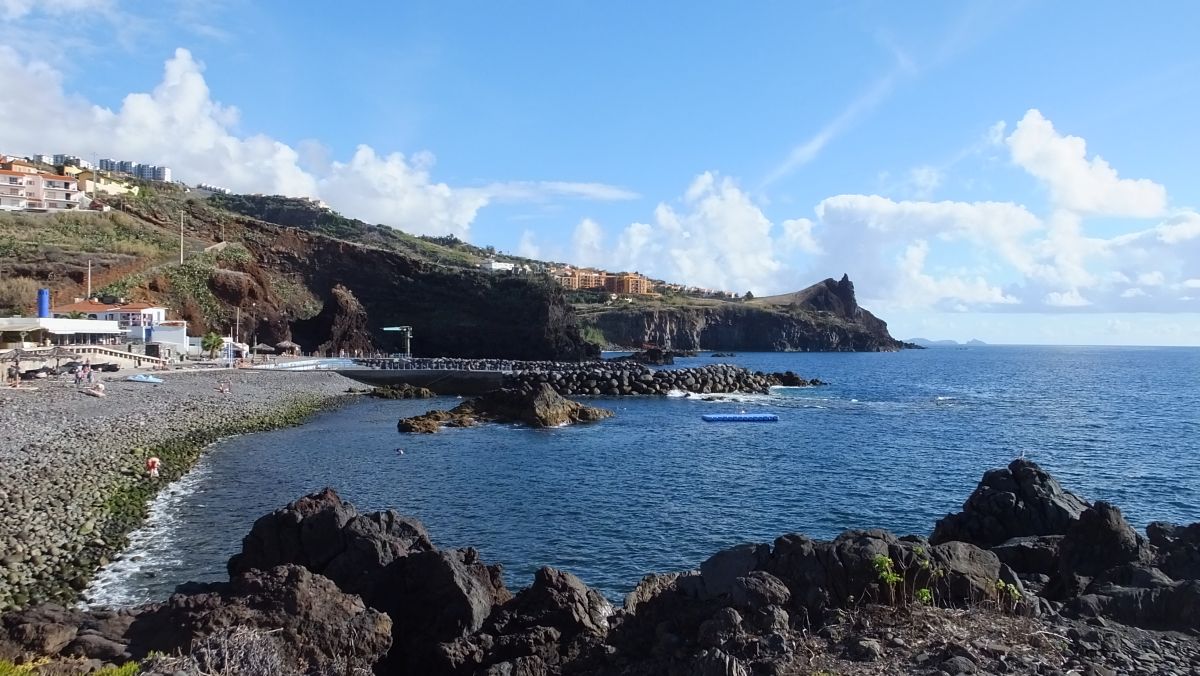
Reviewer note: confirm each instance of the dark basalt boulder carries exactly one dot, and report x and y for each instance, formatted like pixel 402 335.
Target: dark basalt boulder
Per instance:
pixel 556 621
pixel 327 535
pixel 651 357
pixel 318 624
pixel 790 379
pixel 1032 555
pixel 435 597
pixel 1099 541
pixel 539 406
pixel 1178 549
pixel 1175 606
pixel 402 391
pixel 1019 501
pixel 315 625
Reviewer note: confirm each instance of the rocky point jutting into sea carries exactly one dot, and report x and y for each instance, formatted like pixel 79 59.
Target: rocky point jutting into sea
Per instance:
pixel 1027 578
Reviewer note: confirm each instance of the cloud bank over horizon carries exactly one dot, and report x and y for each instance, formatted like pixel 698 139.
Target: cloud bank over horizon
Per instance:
pixel 180 125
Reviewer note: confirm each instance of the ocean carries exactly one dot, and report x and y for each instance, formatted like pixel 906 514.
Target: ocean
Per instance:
pixel 896 440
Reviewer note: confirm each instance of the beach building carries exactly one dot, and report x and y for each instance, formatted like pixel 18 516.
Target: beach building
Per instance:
pixel 30 332
pixel 137 320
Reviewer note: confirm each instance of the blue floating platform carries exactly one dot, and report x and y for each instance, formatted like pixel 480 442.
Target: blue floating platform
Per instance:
pixel 144 378
pixel 740 417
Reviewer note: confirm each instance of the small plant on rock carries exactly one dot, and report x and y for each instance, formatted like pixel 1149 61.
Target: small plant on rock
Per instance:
pixel 1008 595
pixel 886 571
pixel 924 595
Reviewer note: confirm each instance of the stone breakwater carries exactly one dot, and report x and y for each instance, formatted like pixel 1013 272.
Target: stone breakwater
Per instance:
pixel 1027 579
pixel 72 480
pixel 627 378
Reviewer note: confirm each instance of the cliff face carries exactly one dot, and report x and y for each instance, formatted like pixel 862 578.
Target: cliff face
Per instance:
pixel 453 312
pixel 822 318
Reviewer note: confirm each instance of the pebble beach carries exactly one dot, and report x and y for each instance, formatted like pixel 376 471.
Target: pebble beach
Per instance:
pixel 72 466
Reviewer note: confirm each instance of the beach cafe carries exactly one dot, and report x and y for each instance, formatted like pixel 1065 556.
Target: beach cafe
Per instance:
pixel 32 332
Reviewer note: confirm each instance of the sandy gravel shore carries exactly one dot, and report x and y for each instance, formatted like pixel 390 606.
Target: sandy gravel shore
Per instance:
pixel 72 479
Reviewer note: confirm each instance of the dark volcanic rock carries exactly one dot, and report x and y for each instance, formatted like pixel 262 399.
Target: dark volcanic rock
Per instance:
pixel 1099 541
pixel 1030 555
pixel 317 622
pixel 326 535
pixel 541 406
pixel 435 597
pixel 1014 502
pixel 402 391
pixel 1178 549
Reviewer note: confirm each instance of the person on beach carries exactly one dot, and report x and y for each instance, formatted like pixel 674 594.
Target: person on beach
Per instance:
pixel 152 466
pixel 223 386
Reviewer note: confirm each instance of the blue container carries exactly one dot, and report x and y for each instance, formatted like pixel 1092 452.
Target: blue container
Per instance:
pixel 44 303
pixel 740 417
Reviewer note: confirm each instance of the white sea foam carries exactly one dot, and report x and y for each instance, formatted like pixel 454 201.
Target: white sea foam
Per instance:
pixel 151 547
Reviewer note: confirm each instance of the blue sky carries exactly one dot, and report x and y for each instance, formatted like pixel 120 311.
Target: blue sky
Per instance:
pixel 1016 172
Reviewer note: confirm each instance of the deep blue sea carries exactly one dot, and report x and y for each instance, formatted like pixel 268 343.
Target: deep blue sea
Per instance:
pixel 895 441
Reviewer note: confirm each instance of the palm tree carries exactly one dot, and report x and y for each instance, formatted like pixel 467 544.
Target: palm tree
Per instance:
pixel 76 314
pixel 212 342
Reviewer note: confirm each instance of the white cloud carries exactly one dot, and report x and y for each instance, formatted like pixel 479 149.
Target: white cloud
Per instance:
pixel 924 180
pixel 179 124
pixel 12 10
pixel 527 247
pixel 1075 182
pixel 588 243
pixel 1066 299
pixel 715 236
pixel 1154 278
pixel 1191 283
pixel 1133 293
pixel 798 236
pixel 917 288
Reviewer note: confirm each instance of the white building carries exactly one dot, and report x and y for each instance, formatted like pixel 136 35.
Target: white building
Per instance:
pixel 137 320
pixel 24 190
pixel 497 266
pixel 27 332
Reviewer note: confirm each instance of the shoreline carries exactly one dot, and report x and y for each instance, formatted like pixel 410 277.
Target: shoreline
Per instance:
pixel 72 465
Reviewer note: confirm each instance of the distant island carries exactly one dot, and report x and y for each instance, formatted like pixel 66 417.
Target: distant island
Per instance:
pixel 925 342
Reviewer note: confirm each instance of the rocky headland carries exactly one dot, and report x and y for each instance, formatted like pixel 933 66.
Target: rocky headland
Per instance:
pixel 72 466
pixel 1028 578
pixel 825 317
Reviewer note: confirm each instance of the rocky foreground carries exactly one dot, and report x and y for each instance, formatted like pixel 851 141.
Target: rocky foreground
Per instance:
pixel 72 480
pixel 1027 579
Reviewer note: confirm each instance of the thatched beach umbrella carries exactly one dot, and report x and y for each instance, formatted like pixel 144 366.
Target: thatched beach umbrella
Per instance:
pixel 19 355
pixel 263 348
pixel 287 347
pixel 58 354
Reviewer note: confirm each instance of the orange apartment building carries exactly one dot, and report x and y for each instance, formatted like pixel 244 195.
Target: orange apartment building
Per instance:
pixel 625 283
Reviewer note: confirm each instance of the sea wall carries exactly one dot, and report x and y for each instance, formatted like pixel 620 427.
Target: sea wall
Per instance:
pixel 72 477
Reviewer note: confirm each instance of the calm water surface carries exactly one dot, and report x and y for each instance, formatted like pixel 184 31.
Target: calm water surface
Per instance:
pixel 896 441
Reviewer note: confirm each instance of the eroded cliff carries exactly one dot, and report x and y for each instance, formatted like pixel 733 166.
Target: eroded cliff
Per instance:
pixel 824 317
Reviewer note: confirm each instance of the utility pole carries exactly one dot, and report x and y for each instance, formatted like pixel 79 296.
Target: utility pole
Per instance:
pixel 89 293
pixel 181 238
pixel 237 325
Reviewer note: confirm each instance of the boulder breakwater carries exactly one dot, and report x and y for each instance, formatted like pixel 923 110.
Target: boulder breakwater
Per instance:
pixel 72 466
pixel 1028 578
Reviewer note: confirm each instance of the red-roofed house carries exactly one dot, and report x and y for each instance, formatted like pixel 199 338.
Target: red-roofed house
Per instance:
pixel 133 318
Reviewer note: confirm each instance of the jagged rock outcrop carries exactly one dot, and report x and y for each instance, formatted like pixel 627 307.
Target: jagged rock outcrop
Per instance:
pixel 349 325
pixel 316 625
pixel 822 318
pixel 537 407
pixel 402 391
pixel 1018 501
pixel 327 535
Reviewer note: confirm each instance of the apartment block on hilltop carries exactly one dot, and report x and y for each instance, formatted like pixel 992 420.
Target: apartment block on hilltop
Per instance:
pixel 22 186
pixel 583 279
pixel 146 172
